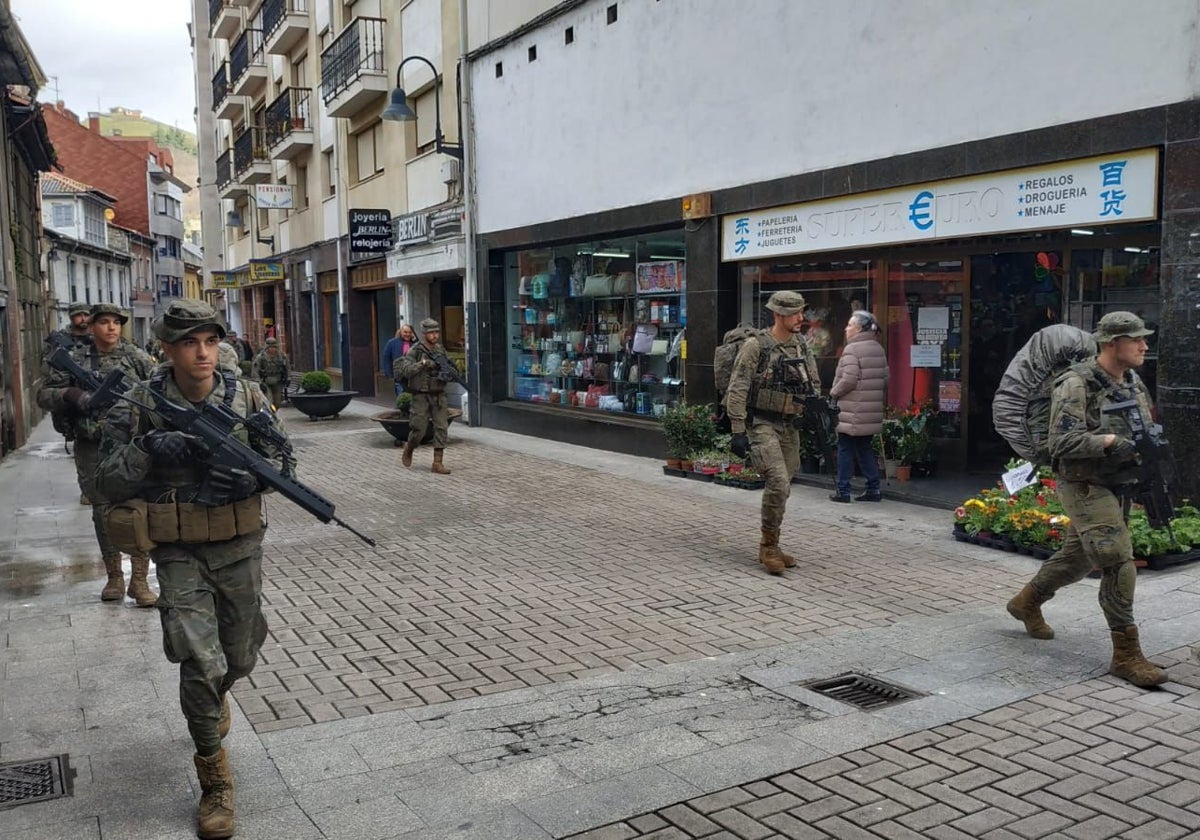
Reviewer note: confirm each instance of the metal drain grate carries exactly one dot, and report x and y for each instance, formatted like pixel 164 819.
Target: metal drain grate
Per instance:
pixel 862 691
pixel 22 782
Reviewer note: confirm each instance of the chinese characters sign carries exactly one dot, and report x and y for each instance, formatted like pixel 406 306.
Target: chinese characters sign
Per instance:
pixel 1100 190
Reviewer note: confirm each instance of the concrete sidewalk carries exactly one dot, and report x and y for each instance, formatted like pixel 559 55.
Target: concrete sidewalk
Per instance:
pixel 556 640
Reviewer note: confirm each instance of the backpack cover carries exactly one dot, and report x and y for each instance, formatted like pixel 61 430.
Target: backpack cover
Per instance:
pixel 1021 405
pixel 726 354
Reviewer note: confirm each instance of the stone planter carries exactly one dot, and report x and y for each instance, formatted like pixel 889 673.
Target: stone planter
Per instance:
pixel 396 425
pixel 328 404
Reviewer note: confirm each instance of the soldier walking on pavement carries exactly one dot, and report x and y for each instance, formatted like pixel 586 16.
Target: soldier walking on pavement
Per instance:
pixel 103 353
pixel 419 373
pixel 1094 459
pixel 270 369
pixel 763 415
pixel 211 587
pixel 75 336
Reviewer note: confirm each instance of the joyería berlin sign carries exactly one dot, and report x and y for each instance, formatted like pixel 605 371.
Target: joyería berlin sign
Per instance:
pixel 370 231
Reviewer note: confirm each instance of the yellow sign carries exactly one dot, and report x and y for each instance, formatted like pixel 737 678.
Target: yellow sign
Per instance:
pixel 224 280
pixel 266 271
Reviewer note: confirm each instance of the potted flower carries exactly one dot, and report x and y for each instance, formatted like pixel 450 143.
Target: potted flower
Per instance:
pixel 317 400
pixel 397 423
pixel 688 429
pixel 911 433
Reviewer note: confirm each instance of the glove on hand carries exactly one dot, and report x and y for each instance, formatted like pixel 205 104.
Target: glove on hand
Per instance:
pixel 1123 448
pixel 233 484
pixel 428 363
pixel 740 445
pixel 167 447
pixel 77 397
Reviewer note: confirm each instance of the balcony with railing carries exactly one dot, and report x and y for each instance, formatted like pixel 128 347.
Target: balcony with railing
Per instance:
pixel 289 124
pixel 285 24
pixel 248 63
pixel 354 71
pixel 224 19
pixel 227 183
pixel 251 162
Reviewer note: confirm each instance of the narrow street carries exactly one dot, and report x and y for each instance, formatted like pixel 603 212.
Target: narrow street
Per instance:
pixel 556 640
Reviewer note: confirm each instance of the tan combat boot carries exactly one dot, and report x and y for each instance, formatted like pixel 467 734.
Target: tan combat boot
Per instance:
pixel 788 560
pixel 139 588
pixel 114 590
pixel 1128 662
pixel 437 463
pixel 215 821
pixel 1027 607
pixel 769 554
pixel 406 458
pixel 226 721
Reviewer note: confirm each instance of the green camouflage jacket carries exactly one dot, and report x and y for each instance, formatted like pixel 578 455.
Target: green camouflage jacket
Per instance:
pixel 745 376
pixel 268 370
pixel 125 356
pixel 1078 427
pixel 417 377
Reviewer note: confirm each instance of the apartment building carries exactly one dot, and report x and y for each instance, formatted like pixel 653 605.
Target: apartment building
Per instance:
pixel 25 151
pixel 309 185
pixel 88 258
pixel 139 175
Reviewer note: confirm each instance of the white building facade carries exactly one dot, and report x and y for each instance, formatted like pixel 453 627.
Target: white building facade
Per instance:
pixel 703 154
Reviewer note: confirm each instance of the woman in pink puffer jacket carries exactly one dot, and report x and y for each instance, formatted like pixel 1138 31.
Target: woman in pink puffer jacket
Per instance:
pixel 860 387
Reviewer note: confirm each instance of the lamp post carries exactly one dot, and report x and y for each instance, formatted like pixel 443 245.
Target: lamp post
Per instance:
pixel 397 108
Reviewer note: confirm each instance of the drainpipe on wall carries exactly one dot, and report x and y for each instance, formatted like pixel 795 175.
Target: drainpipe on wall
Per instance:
pixel 471 286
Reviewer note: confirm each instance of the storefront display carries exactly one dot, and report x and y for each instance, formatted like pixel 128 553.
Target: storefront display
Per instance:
pixel 599 327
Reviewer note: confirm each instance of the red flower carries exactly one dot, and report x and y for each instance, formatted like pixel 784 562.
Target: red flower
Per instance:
pixel 960 512
pixel 1041 500
pixel 1050 482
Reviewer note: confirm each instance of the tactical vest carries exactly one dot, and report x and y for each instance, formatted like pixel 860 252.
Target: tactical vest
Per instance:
pixel 1102 391
pixel 777 386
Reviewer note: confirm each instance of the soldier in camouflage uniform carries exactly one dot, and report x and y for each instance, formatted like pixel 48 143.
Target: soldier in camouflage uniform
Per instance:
pixel 60 394
pixel 763 418
pixel 419 373
pixel 270 369
pixel 75 336
pixel 211 587
pixel 1093 456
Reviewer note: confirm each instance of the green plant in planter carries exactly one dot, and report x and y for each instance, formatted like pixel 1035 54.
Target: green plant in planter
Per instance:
pixel 689 428
pixel 404 402
pixel 316 382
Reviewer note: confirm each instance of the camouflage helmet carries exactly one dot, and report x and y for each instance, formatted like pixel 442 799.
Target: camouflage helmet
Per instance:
pixel 186 316
pixel 107 309
pixel 227 357
pixel 430 325
pixel 1117 324
pixel 78 307
pixel 786 303
pixel 271 342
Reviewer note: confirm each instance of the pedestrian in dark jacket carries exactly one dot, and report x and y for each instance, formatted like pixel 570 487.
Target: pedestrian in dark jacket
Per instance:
pixel 860 387
pixel 397 348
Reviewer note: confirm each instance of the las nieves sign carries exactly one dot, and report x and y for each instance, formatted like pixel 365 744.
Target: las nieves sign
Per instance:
pixel 1110 189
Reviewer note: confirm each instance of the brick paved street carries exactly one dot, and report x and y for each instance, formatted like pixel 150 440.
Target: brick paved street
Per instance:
pixel 520 570
pixel 1093 760
pixel 559 642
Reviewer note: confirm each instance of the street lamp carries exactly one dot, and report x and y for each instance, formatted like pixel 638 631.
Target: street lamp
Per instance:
pixel 398 110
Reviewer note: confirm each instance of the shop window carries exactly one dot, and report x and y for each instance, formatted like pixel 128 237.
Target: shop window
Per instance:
pixel 832 290
pixel 599 326
pixel 367 153
pixel 924 326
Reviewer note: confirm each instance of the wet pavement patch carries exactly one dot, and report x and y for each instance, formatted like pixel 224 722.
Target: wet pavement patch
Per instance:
pixel 37 780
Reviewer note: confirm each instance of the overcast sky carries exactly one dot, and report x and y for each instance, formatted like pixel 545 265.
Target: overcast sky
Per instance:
pixel 133 53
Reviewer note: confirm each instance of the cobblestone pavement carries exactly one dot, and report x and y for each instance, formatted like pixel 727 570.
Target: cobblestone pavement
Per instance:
pixel 1094 760
pixel 519 570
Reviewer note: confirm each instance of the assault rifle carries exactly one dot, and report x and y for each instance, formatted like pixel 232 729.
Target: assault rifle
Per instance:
pixel 213 425
pixel 103 391
pixel 1156 482
pixel 820 416
pixel 446 371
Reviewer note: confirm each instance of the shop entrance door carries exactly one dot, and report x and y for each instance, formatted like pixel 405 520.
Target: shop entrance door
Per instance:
pixel 1013 295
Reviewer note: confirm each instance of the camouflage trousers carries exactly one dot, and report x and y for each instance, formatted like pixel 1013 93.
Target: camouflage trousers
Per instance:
pixel 213 627
pixel 87 458
pixel 775 453
pixel 1097 538
pixel 275 393
pixel 426 409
